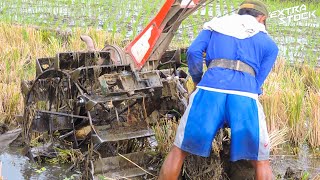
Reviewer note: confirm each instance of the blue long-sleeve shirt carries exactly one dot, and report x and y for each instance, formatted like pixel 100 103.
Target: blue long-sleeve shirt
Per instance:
pixel 258 51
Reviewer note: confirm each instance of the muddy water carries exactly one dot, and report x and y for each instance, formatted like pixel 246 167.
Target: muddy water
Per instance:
pixel 303 163
pixel 18 167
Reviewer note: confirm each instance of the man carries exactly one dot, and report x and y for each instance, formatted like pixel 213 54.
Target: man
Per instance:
pixel 239 56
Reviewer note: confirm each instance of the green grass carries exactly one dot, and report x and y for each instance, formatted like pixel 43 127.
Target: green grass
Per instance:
pixel 113 16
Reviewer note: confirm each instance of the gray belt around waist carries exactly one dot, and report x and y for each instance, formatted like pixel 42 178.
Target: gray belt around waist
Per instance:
pixel 232 64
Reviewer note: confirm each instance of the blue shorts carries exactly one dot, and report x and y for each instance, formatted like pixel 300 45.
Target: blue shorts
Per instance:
pixel 208 111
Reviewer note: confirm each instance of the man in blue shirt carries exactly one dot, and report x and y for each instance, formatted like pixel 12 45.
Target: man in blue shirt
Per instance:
pixel 239 56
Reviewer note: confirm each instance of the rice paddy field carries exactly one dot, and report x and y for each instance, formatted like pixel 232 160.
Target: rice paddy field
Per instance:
pixel 291 98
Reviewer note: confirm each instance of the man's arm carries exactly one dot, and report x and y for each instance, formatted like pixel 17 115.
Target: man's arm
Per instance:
pixel 195 55
pixel 267 63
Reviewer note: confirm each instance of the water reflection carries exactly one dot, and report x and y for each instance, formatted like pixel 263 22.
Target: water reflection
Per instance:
pixel 18 167
pixel 303 162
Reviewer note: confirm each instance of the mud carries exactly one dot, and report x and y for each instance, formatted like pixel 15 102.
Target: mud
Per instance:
pixel 217 166
pixel 3 128
pixel 7 137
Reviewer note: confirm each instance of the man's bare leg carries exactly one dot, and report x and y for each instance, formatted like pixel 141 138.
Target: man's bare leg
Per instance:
pixel 263 170
pixel 172 165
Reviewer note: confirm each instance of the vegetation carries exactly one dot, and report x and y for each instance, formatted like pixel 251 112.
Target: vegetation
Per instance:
pixel 292 102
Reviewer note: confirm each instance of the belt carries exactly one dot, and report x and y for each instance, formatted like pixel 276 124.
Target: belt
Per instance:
pixel 232 64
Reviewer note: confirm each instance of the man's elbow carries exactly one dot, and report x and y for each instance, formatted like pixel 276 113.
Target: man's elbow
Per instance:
pixel 192 52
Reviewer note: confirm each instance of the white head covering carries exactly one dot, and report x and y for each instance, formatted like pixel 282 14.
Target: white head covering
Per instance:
pixel 238 26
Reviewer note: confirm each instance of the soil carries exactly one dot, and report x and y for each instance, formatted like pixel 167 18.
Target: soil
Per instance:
pixel 3 128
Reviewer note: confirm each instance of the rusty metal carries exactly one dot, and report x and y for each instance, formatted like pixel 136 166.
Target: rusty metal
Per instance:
pixel 100 101
pixel 113 100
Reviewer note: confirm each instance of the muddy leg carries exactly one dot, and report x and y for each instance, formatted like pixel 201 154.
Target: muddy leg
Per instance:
pixel 262 170
pixel 172 164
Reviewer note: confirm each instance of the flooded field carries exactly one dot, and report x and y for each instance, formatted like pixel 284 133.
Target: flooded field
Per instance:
pixel 305 163
pixel 18 167
pixel 129 17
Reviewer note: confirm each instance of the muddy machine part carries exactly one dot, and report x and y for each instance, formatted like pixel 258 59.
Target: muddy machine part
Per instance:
pixel 101 101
